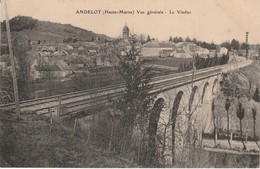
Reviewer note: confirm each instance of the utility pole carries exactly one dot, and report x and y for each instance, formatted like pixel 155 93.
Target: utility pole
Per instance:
pixel 16 97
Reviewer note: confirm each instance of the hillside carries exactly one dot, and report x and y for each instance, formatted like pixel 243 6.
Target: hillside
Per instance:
pixel 252 72
pixel 243 76
pixel 51 32
pixel 30 143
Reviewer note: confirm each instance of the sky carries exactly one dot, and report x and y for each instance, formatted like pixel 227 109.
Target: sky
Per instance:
pixel 210 20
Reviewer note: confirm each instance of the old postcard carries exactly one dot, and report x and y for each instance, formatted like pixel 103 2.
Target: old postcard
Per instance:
pixel 132 83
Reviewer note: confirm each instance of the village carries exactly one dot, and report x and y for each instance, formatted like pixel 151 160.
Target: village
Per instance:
pixel 64 59
pixel 73 58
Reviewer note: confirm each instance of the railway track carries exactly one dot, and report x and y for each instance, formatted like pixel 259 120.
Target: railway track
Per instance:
pixel 82 100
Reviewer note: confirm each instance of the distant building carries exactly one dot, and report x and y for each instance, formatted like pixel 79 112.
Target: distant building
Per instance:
pixel 203 52
pixel 223 51
pixel 125 32
pixel 166 52
pixel 190 48
pixel 150 52
pixel 156 49
pixel 151 49
pixel 46 70
pixel 181 53
pixel 241 52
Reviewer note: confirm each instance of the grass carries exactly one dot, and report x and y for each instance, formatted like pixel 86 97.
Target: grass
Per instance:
pixel 208 158
pixel 252 72
pixel 173 62
pixel 30 143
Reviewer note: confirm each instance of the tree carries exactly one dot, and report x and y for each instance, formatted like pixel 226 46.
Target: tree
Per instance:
pixel 235 44
pixel 212 46
pixel 20 53
pixel 256 96
pixel 194 40
pixel 224 59
pixel 175 39
pixel 254 118
pixel 240 115
pixel 180 39
pixel 187 39
pixel 142 38
pixel 215 131
pixel 244 45
pixel 170 39
pixel 206 62
pixel 136 101
pixel 227 106
pixel 230 87
pixel 148 38
pixel 19 23
pixel 226 45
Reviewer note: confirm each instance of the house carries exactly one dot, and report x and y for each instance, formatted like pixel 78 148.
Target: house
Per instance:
pixel 223 51
pixel 202 52
pixel 69 47
pixel 123 44
pixel 34 74
pixel 89 63
pixel 41 67
pixel 166 52
pixel 57 53
pixel 185 44
pixel 91 47
pixel 181 53
pixel 151 44
pixel 81 50
pixel 190 49
pixel 167 49
pixel 50 49
pixel 157 49
pixel 65 68
pixel 91 50
pixel 48 70
pixel 150 52
pixel 75 63
pixel 212 53
pixel 64 53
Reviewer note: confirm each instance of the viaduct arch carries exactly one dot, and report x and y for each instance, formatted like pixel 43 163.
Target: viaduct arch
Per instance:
pixel 186 104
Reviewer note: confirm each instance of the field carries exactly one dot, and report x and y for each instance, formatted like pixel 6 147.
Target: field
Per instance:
pixel 172 62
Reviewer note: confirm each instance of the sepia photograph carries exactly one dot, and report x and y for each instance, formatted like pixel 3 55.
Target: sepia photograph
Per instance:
pixel 130 83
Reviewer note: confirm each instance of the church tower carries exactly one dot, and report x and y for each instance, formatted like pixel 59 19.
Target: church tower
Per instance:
pixel 125 32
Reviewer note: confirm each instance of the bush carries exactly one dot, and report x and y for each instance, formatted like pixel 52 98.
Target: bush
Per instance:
pixel 201 62
pixel 20 23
